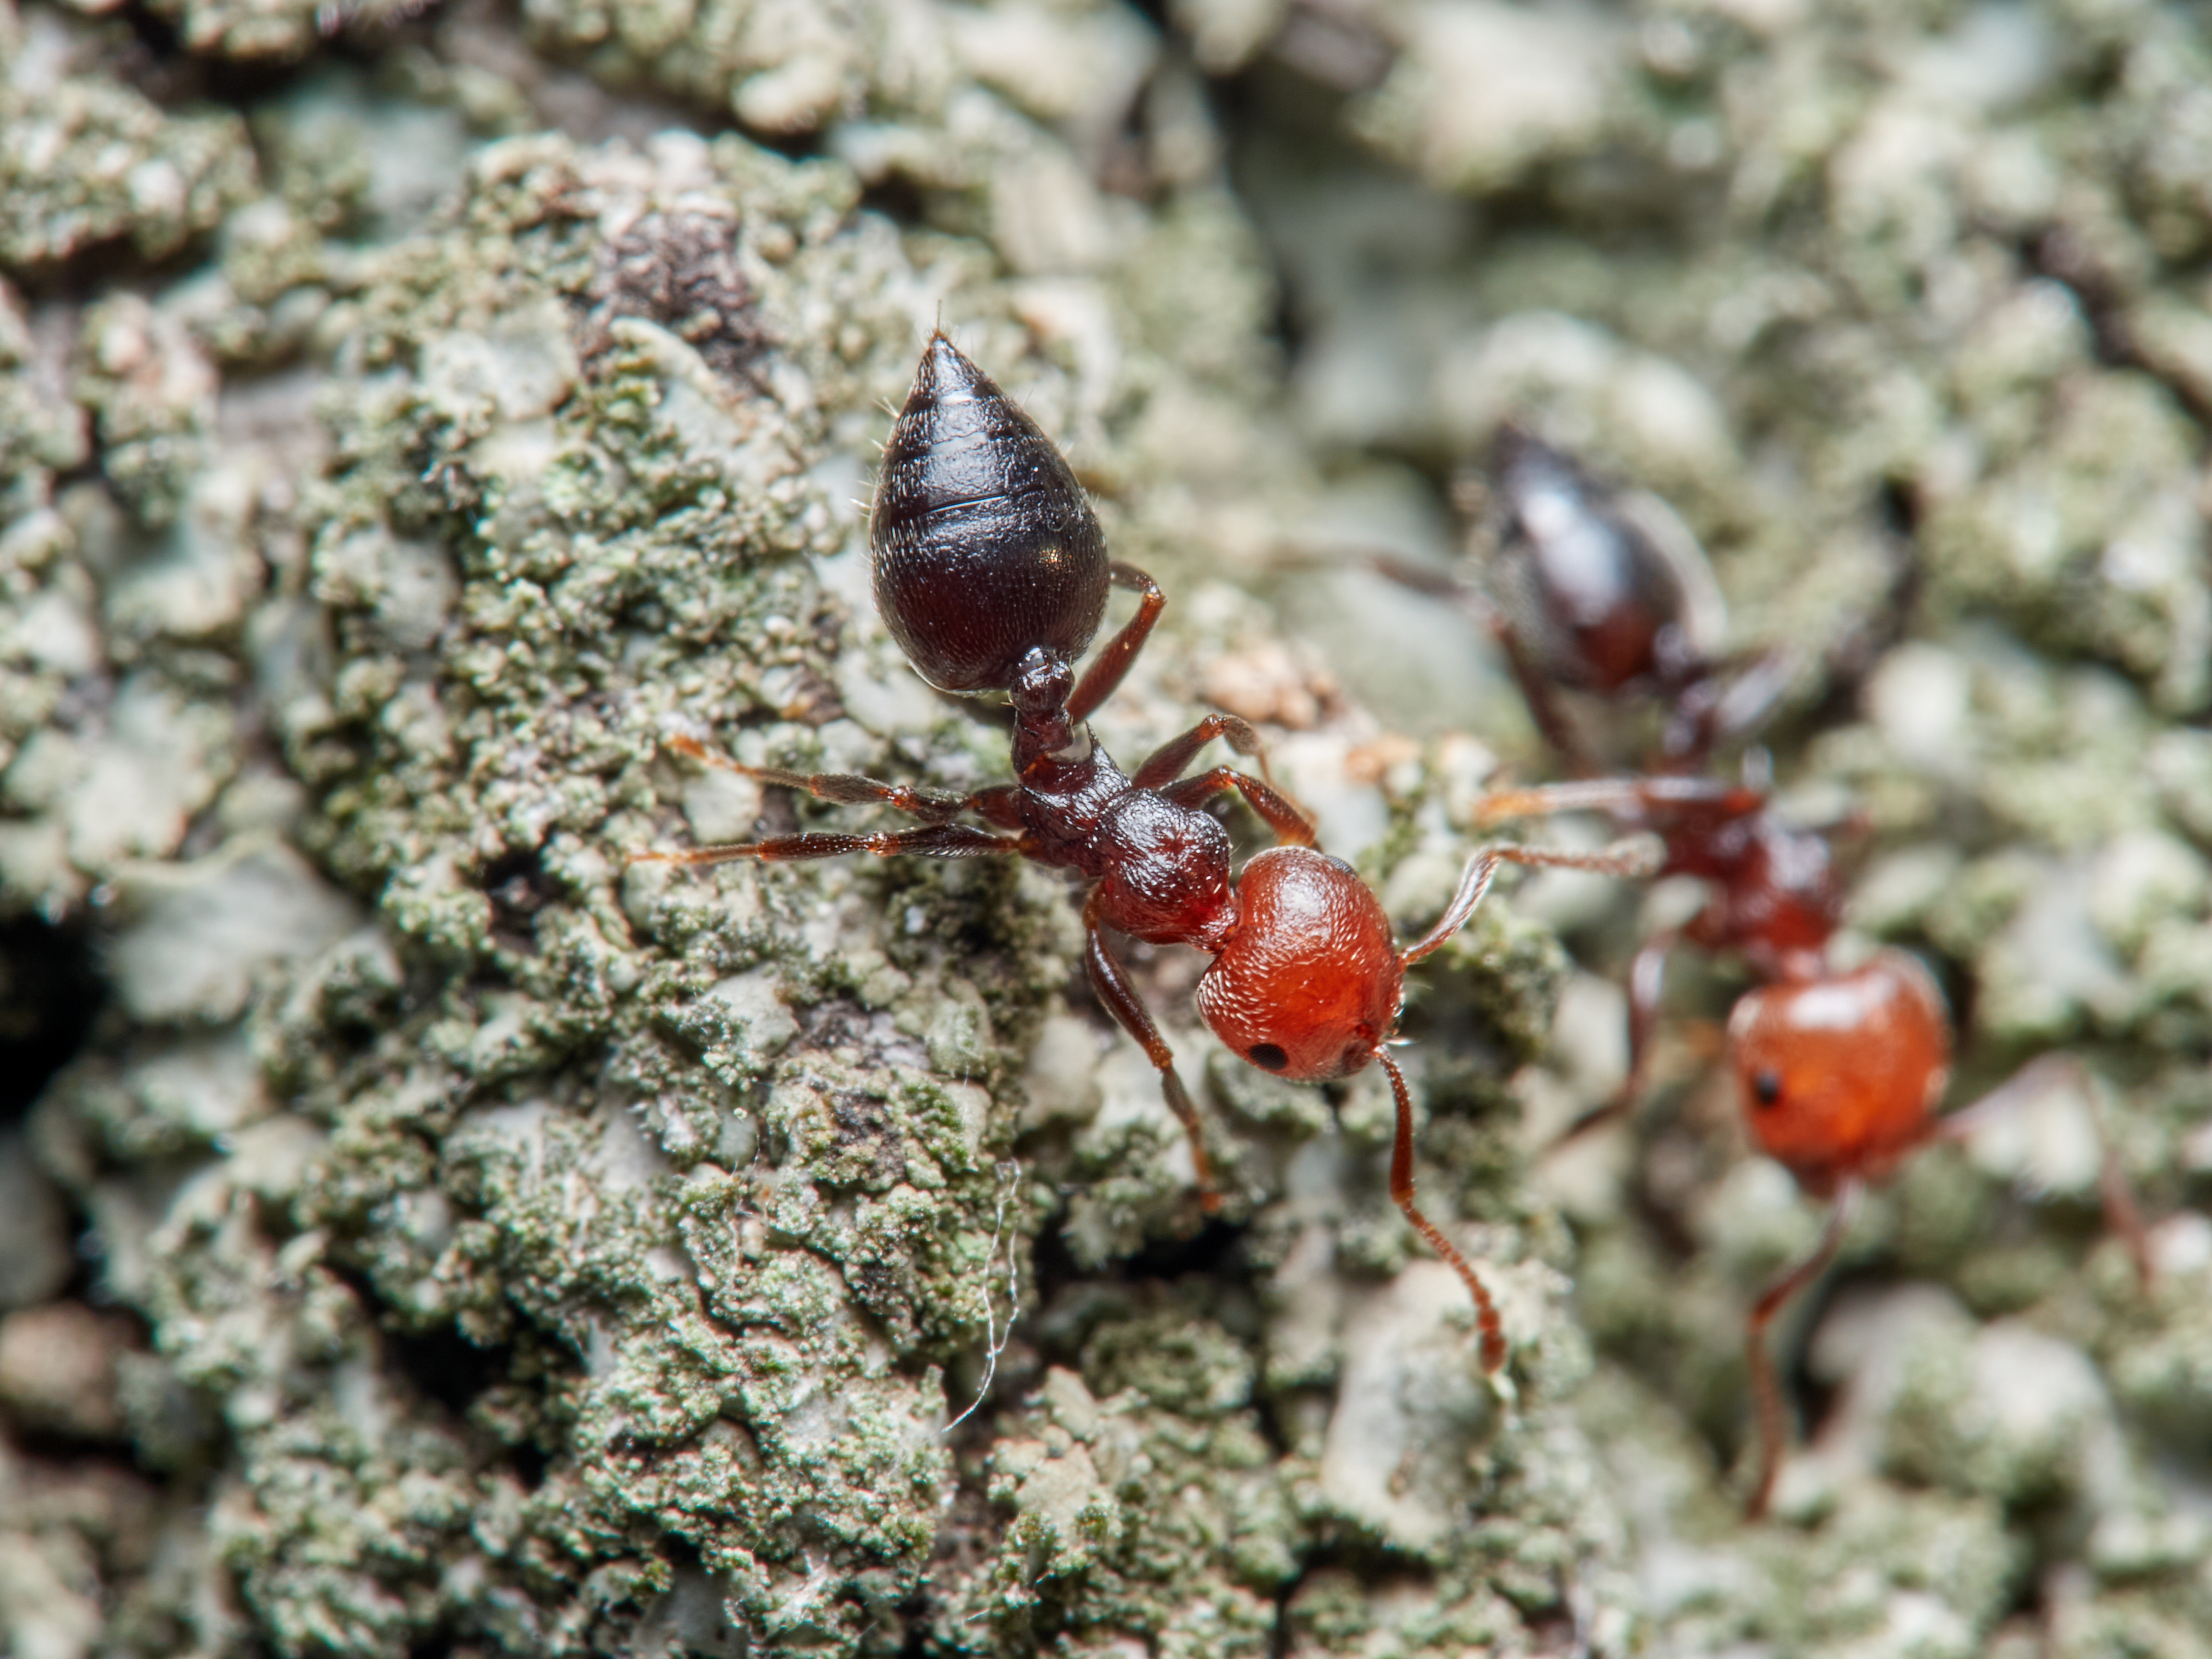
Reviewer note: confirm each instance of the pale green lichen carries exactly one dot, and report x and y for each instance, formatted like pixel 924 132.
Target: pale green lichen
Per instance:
pixel 88 161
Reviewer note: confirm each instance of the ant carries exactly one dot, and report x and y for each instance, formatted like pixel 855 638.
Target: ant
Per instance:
pixel 990 570
pixel 1840 1071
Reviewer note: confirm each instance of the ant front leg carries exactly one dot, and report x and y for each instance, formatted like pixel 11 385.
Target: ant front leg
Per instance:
pixel 1102 676
pixel 1765 1386
pixel 1114 989
pixel 2123 1217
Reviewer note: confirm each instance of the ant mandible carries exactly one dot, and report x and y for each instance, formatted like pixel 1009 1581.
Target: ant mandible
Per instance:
pixel 1841 1073
pixel 990 570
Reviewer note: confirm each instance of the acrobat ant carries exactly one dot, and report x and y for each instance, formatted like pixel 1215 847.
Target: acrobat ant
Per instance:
pixel 991 572
pixel 1841 1071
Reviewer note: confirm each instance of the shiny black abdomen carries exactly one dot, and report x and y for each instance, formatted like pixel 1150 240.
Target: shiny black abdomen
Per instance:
pixel 1598 603
pixel 984 543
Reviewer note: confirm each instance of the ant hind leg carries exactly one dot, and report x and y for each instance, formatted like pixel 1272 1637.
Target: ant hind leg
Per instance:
pixel 1100 679
pixel 936 838
pixel 1647 979
pixel 844 789
pixel 928 841
pixel 1283 815
pixel 1166 762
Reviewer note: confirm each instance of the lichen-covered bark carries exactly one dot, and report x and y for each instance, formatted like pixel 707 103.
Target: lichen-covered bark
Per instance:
pixel 489 1245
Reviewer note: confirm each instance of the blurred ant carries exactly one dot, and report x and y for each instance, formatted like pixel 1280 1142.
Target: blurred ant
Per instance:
pixel 990 570
pixel 1840 1072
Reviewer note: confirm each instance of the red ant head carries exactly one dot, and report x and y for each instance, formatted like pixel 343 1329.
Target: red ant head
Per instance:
pixel 1841 1076
pixel 1308 984
pixel 984 544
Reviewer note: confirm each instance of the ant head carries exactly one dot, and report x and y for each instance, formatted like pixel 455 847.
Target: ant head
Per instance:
pixel 984 546
pixel 1308 984
pixel 1841 1076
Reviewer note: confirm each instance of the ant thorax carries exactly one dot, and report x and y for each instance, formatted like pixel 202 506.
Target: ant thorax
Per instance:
pixel 1162 868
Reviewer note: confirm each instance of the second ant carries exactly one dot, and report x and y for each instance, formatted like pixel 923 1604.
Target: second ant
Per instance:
pixel 1840 1071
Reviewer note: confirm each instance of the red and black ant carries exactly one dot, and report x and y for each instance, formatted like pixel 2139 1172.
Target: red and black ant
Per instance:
pixel 991 572
pixel 1841 1073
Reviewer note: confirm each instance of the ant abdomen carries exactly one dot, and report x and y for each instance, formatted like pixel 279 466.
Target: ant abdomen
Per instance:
pixel 1600 596
pixel 984 546
pixel 1310 984
pixel 1842 1075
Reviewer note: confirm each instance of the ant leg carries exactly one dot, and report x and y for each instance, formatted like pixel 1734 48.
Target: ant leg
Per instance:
pixel 2123 1218
pixel 1166 762
pixel 1401 1194
pixel 930 805
pixel 1432 583
pixel 1543 699
pixel 1099 680
pixel 1115 990
pixel 1747 701
pixel 1536 690
pixel 930 841
pixel 1287 819
pixel 1766 1387
pixel 1647 978
pixel 1001 804
pixel 1633 859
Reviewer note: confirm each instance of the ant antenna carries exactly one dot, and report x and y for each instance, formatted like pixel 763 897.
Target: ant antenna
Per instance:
pixel 1402 1194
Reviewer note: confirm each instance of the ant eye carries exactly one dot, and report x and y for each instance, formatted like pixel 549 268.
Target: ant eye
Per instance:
pixel 1766 1085
pixel 1266 1056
